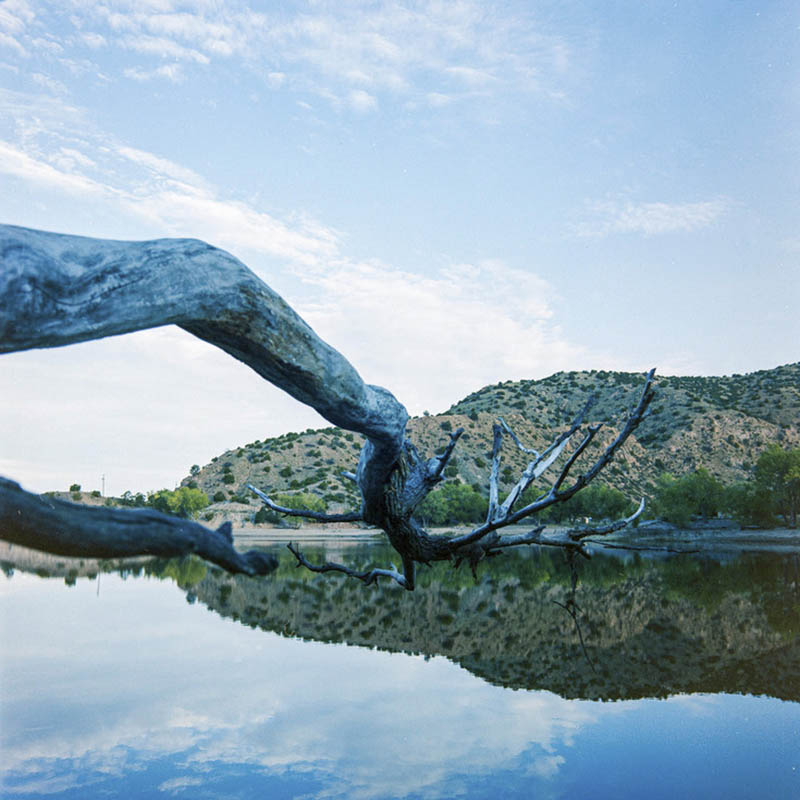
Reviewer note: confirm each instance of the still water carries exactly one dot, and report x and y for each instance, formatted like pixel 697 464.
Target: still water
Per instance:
pixel 176 680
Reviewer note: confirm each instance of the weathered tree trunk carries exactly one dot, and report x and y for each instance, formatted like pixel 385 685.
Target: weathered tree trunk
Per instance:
pixel 56 290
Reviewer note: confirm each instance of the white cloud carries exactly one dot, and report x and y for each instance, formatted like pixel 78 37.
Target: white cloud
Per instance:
pixel 172 72
pixel 432 339
pixel 16 162
pixel 6 40
pixel 161 166
pixel 276 79
pixel 15 15
pixel 51 84
pixel 174 200
pixel 41 44
pixel 471 76
pixel 650 218
pixel 94 40
pixel 164 48
pixel 437 99
pixel 359 100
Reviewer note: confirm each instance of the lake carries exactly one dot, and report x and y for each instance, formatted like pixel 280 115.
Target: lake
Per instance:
pixel 679 676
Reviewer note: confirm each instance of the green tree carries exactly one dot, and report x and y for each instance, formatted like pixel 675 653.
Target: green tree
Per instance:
pixel 183 502
pixel 778 471
pixel 307 501
pixel 596 501
pixel 451 504
pixel 750 504
pixel 677 500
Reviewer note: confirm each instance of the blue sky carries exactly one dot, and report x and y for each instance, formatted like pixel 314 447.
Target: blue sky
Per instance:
pixel 452 194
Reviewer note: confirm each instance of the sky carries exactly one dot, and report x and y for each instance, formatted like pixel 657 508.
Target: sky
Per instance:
pixel 451 193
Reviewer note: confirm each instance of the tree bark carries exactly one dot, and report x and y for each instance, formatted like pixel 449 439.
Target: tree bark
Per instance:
pixel 57 290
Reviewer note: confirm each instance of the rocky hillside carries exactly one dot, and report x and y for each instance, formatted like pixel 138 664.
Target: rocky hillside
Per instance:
pixel 720 423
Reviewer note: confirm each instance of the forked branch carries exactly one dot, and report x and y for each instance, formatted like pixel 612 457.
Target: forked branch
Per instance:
pixel 502 516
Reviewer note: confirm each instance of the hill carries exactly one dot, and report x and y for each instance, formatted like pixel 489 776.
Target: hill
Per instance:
pixel 720 423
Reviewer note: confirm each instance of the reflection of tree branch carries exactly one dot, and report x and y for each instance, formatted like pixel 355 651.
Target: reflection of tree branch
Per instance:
pixel 571 606
pixel 368 577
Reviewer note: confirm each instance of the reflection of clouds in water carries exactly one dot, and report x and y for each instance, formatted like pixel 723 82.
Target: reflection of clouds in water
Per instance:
pixel 137 669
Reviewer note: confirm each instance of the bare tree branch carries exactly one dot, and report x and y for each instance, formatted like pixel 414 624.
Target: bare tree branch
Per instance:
pixel 319 516
pixel 440 462
pixel 603 530
pixel 70 529
pixel 494 474
pixel 559 496
pixel 57 290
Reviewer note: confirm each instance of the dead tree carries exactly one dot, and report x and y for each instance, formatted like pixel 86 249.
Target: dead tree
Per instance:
pixel 57 290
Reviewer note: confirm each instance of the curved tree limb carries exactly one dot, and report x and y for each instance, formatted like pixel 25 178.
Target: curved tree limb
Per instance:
pixel 57 290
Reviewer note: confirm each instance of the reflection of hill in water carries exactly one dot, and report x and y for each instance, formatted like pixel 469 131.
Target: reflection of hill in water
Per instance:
pixel 651 628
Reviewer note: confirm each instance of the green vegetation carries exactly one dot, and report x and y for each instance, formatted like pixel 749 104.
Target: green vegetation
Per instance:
pixel 452 504
pixel 774 492
pixel 304 501
pixel 183 502
pixel 772 495
pixel 596 501
pixel 677 500
pixel 267 515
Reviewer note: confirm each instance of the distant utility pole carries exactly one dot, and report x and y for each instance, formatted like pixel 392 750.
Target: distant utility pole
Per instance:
pixel 103 490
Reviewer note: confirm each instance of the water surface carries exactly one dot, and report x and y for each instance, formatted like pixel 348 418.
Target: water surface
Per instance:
pixel 183 681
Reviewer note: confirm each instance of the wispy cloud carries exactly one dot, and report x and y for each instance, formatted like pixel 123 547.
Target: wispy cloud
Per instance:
pixel 51 84
pixel 650 218
pixel 433 338
pixel 8 42
pixel 350 53
pixel 492 321
pixel 359 100
pixel 171 72
pixel 174 200
pixel 15 15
